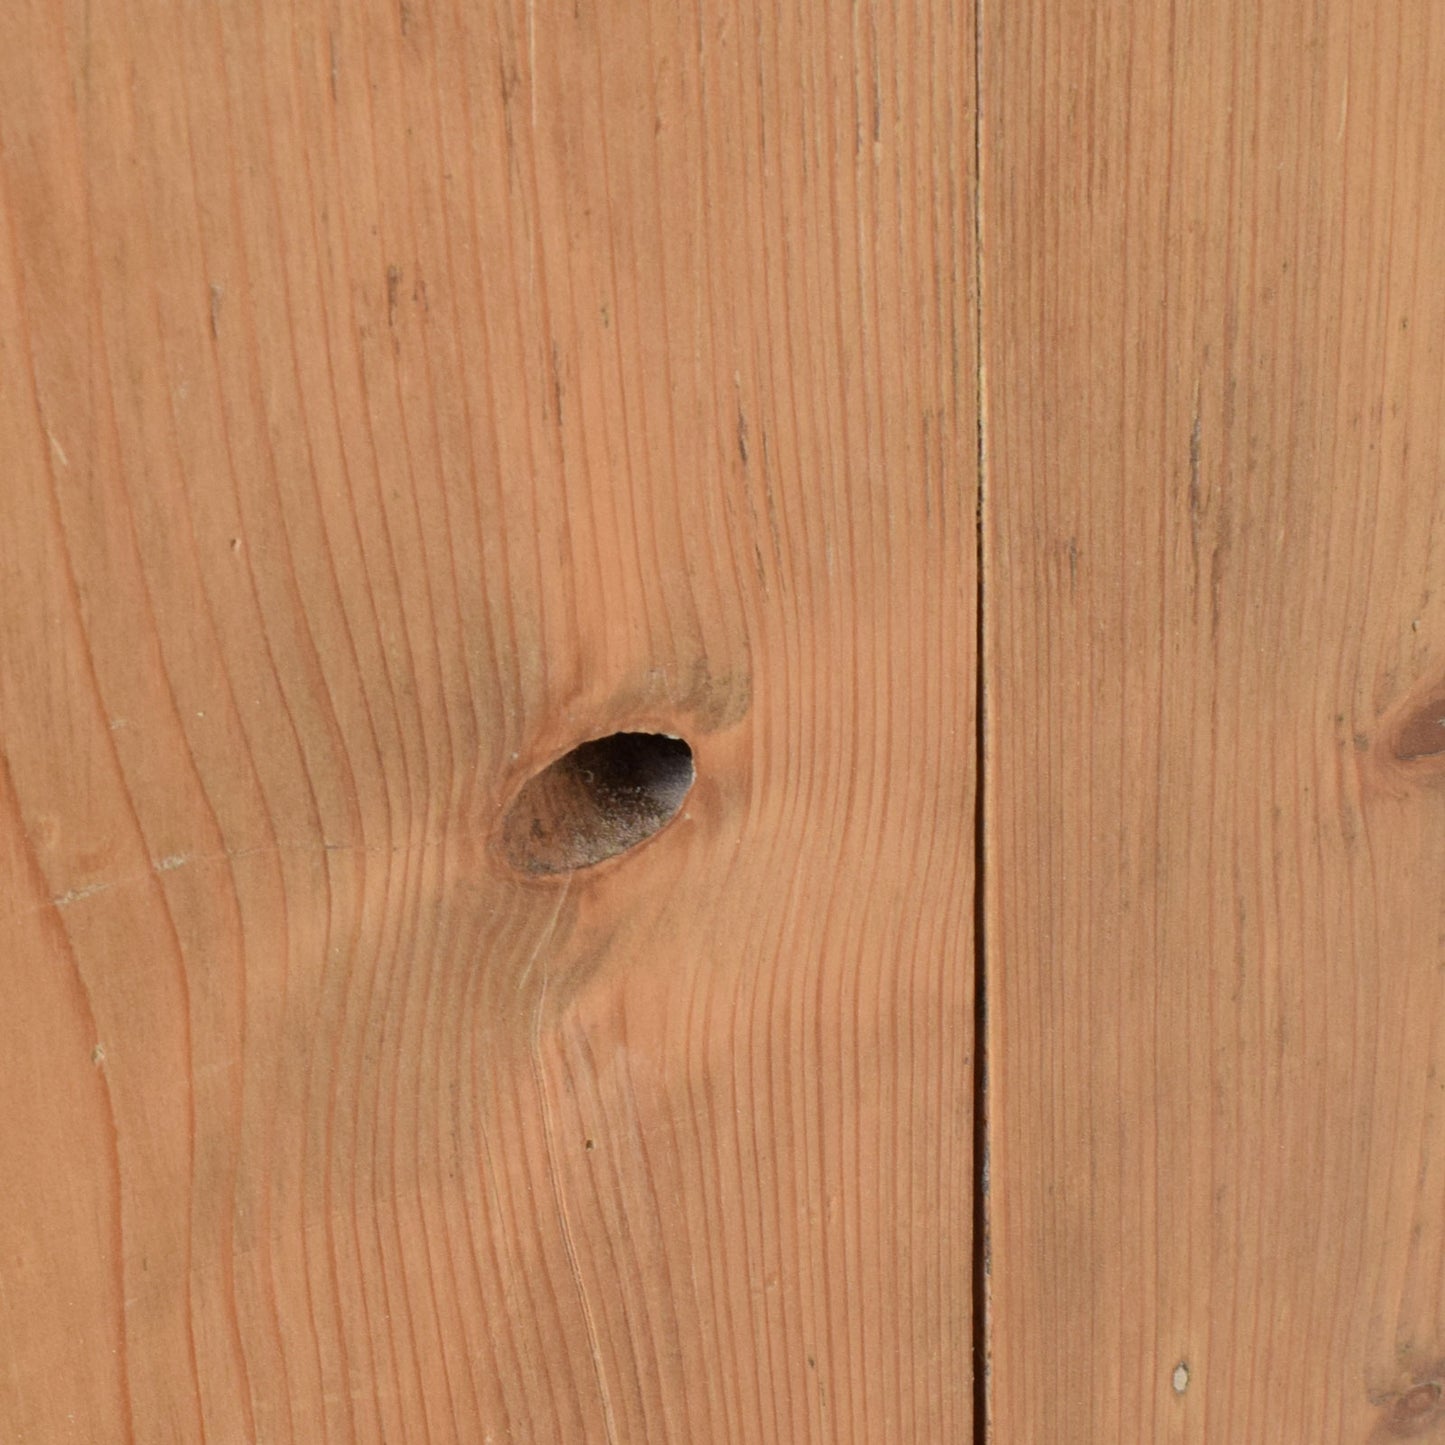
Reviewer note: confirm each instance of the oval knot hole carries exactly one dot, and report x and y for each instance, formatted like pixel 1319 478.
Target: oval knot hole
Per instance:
pixel 597 801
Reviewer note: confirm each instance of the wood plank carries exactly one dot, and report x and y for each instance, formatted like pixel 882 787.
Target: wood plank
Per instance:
pixel 393 397
pixel 1214 333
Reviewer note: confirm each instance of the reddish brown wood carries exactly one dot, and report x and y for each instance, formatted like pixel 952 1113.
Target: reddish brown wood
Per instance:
pixel 1214 339
pixel 391 398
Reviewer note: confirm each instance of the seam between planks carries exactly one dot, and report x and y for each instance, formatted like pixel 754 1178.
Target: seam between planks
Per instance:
pixel 982 1262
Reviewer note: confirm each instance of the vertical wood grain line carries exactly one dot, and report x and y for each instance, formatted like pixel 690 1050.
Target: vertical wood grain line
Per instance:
pixel 981 1255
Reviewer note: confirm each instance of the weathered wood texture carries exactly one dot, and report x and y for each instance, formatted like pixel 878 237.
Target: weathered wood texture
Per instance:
pixel 1214 340
pixel 391 397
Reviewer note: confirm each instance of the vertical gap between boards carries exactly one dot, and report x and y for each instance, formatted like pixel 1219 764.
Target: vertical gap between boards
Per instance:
pixel 982 1262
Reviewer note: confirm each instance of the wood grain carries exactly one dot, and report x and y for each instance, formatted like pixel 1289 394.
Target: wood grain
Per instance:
pixel 391 398
pixel 1213 325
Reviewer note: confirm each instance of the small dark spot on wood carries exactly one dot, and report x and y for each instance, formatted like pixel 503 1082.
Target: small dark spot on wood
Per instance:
pixel 1217 555
pixel 335 62
pixel 742 437
pixel 393 287
pixel 1423 734
pixel 1195 495
pixel 589 1145
pixel 557 383
pixel 405 18
pixel 217 291
pixel 510 81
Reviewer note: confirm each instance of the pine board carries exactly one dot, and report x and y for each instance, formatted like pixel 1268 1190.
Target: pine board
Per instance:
pixel 1213 322
pixel 392 397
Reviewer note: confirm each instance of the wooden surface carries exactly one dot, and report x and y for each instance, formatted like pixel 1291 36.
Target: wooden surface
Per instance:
pixel 1214 362
pixel 393 397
